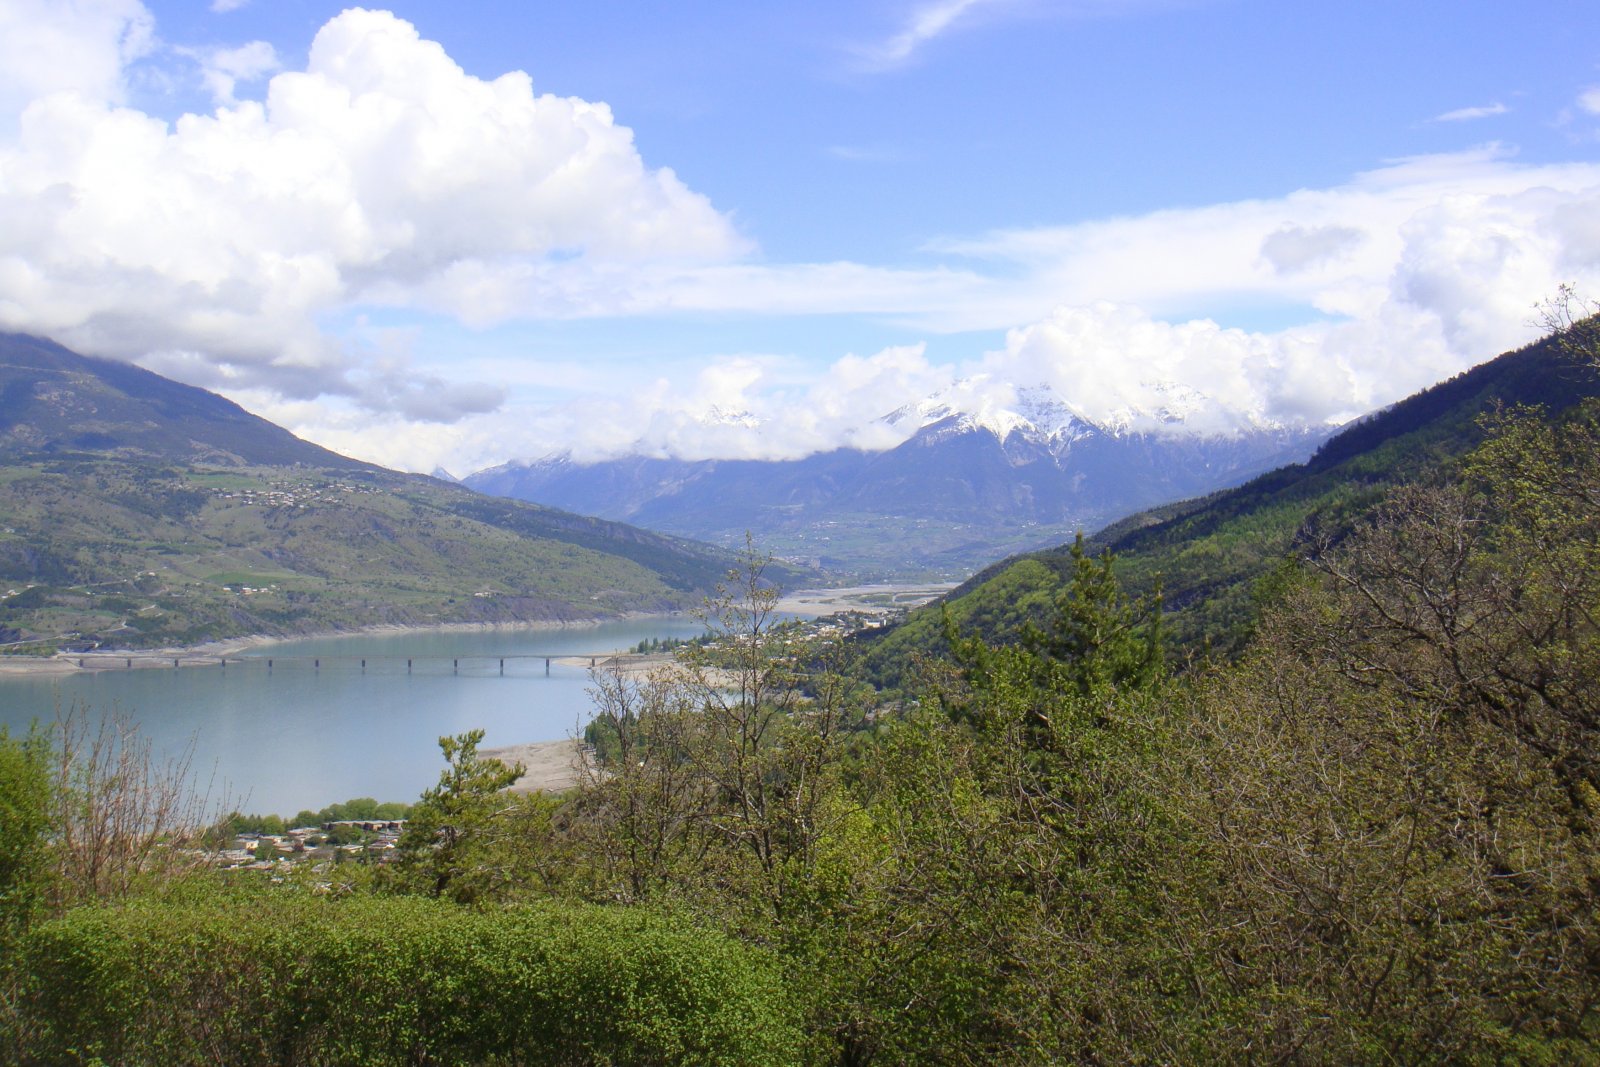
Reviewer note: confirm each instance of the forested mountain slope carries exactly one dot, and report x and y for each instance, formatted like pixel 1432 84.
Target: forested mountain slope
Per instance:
pixel 1210 555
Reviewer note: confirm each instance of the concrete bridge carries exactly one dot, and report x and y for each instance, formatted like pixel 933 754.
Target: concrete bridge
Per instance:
pixel 520 663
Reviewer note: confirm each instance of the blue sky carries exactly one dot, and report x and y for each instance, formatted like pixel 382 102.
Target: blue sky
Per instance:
pixel 1018 114
pixel 808 213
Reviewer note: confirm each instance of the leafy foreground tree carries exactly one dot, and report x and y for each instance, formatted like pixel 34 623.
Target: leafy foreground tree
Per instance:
pixel 721 775
pixel 1393 799
pixel 1065 729
pixel 723 791
pixel 922 871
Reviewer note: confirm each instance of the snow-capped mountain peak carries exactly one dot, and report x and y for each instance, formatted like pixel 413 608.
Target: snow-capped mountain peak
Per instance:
pixel 1036 412
pixel 716 416
pixel 1049 415
pixel 1035 415
pixel 1041 414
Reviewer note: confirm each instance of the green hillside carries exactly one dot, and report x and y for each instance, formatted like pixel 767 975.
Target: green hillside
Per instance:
pixel 137 512
pixel 1211 556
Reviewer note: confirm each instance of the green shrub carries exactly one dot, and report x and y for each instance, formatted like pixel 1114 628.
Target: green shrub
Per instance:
pixel 25 797
pixel 267 979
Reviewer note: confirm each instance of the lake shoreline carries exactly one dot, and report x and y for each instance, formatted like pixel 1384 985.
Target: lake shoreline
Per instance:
pixel 812 602
pixel 68 662
pixel 301 738
pixel 304 738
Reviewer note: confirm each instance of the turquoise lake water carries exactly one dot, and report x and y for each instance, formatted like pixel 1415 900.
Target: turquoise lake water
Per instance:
pixel 301 736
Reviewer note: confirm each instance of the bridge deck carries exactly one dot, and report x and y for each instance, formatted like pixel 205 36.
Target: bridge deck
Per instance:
pixel 386 664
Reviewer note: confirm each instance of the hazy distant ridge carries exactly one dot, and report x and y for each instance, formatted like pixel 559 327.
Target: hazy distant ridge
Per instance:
pixel 962 490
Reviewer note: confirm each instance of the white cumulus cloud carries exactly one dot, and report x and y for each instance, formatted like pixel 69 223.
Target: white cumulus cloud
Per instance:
pixel 1416 280
pixel 76 46
pixel 1402 277
pixel 747 407
pixel 382 172
pixel 1398 279
pixel 1294 248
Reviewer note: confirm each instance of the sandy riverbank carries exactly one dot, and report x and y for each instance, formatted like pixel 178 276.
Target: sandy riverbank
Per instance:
pixel 633 664
pixel 550 766
pixel 36 665
pixel 869 599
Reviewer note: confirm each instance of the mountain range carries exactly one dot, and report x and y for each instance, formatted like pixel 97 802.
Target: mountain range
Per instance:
pixel 136 511
pixel 961 489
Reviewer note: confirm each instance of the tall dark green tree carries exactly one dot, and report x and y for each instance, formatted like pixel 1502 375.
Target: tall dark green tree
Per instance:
pixel 1066 726
pixel 1099 638
pixel 447 848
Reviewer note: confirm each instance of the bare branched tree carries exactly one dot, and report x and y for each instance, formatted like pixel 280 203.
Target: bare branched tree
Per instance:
pixel 640 797
pixel 1573 321
pixel 121 815
pixel 721 768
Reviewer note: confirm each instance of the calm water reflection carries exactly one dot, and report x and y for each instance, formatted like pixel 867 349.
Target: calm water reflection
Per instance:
pixel 296 738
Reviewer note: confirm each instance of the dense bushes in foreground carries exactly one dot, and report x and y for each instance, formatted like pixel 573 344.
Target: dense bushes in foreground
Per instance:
pixel 288 978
